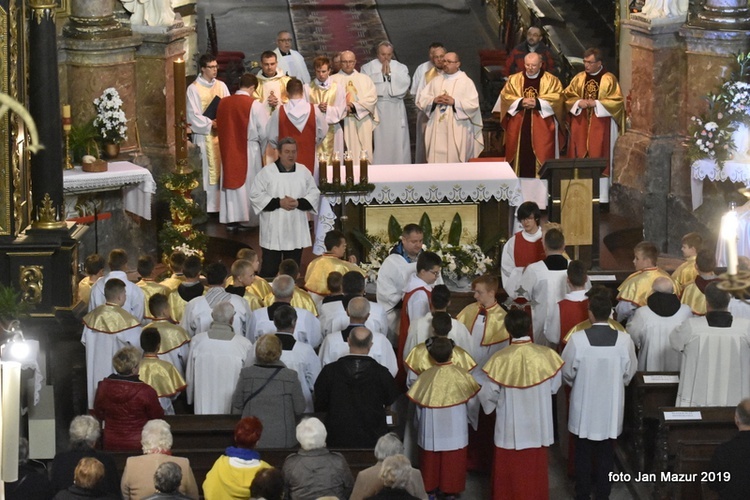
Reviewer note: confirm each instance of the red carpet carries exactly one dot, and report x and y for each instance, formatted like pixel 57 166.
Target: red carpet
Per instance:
pixel 326 26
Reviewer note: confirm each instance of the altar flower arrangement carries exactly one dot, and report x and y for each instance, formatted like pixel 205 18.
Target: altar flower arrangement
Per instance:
pixel 736 98
pixel 110 121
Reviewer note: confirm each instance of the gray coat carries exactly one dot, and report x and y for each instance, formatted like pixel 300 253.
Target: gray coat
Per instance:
pixel 277 405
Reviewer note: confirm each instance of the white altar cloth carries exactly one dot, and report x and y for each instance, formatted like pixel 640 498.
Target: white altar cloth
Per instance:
pixel 702 169
pixel 136 182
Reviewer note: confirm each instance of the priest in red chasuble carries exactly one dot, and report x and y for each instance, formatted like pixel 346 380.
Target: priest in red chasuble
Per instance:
pixel 242 139
pixel 301 121
pixel 531 108
pixel 596 112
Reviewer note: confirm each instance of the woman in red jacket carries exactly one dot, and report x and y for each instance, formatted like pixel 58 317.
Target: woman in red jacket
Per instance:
pixel 124 404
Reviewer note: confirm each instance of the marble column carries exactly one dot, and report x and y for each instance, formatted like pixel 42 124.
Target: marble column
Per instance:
pixel 44 105
pixel 644 156
pixel 723 14
pixel 99 53
pixel 155 101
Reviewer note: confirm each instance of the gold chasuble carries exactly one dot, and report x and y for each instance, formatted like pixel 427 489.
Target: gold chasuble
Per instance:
pixel 638 286
pixel 300 298
pixel 275 84
pixel 686 272
pixel 583 325
pixel 603 88
pixel 430 75
pixel 173 281
pixel 523 364
pixel 172 336
pixel 161 375
pixel 110 318
pixel 316 277
pixel 443 386
pixel 319 95
pixel 213 156
pixel 419 359
pixel 494 324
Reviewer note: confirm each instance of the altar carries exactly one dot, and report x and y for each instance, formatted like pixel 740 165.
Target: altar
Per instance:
pixel 481 193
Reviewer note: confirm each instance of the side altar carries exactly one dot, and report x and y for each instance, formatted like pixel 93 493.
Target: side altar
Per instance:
pixel 481 193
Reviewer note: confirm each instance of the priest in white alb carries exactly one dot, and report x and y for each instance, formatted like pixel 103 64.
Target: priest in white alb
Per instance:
pixel 423 75
pixel 361 103
pixel 391 79
pixel 289 60
pixel 330 98
pixel 454 129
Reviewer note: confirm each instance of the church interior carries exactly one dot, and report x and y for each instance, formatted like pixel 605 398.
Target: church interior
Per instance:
pixel 676 62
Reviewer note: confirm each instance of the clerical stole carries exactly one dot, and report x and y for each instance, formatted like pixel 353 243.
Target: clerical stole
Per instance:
pixel 319 95
pixel 213 155
pixel 527 252
pixel 305 138
pixel 232 119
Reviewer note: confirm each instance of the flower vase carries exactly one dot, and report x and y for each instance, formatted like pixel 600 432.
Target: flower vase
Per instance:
pixel 111 150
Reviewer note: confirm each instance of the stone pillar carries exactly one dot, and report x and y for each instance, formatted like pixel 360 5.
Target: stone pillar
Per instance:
pixel 644 155
pixel 723 14
pixel 155 102
pixel 99 53
pixel 44 105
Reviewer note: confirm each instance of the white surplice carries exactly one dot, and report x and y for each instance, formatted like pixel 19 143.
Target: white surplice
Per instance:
pixel 334 346
pixel 417 84
pixel 715 367
pixel 544 289
pixel 391 137
pixel 201 128
pixel 235 203
pixel 359 126
pixel 421 330
pixel 197 316
pixel 446 429
pixel 302 359
pixel 650 333
pixel 453 133
pixel 598 376
pixel 306 330
pixel 418 304
pixel 213 370
pixel 293 65
pixel 510 272
pixel 284 229
pixel 392 278
pixel 333 317
pixel 482 353
pixel 135 300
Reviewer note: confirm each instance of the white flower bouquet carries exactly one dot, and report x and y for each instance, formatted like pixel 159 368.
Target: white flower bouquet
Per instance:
pixel 110 121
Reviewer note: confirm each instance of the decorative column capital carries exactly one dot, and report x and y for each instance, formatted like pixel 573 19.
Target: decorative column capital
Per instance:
pixel 43 9
pixel 723 15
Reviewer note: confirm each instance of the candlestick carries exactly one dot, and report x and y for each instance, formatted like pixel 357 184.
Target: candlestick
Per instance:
pixel 729 225
pixel 336 169
pixel 322 169
pixel 349 167
pixel 11 414
pixel 363 162
pixel 180 113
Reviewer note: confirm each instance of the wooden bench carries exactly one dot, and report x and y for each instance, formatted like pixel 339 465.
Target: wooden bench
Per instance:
pixel 688 445
pixel 643 402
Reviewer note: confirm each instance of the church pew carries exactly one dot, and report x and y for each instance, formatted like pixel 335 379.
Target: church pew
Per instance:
pixel 698 437
pixel 643 402
pixel 202 459
pixel 693 457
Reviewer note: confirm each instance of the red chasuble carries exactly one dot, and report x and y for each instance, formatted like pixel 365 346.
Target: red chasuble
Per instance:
pixel 590 134
pixel 305 139
pixel 525 252
pixel 232 119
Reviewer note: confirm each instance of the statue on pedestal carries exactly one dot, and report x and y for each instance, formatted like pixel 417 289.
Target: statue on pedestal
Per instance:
pixel 150 12
pixel 654 9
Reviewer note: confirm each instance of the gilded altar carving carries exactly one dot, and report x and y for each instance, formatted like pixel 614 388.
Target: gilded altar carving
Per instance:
pixel 31 280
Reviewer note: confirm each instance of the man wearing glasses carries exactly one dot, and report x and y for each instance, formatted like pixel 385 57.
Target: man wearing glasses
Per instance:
pixel 454 128
pixel 200 94
pixel 361 105
pixel 289 60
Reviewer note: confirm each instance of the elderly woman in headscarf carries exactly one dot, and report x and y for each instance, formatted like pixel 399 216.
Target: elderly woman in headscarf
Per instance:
pixel 233 473
pixel 315 471
pixel 138 476
pixel 272 392
pixel 124 403
pixel 84 434
pixel 369 482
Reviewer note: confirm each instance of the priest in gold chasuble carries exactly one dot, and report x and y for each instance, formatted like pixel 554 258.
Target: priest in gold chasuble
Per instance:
pixel 532 111
pixel 330 99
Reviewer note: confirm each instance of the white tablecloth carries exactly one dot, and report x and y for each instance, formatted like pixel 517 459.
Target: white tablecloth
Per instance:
pixel 708 169
pixel 136 182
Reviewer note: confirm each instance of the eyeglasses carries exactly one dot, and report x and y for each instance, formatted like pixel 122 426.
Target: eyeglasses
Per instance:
pixel 434 273
pixel 284 40
pixel 446 61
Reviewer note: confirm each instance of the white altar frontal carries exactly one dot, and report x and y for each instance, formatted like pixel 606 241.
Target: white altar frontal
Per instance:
pixel 435 185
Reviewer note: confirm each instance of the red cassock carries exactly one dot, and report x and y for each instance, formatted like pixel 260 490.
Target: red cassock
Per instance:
pixel 232 119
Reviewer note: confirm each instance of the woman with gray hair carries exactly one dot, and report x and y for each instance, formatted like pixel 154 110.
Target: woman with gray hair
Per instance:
pixel 369 481
pixel 272 392
pixel 314 471
pixel 167 480
pixel 84 433
pixel 138 476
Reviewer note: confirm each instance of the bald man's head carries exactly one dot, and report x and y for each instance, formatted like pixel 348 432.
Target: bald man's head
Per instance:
pixel 663 285
pixel 348 61
pixel 532 62
pixel 360 340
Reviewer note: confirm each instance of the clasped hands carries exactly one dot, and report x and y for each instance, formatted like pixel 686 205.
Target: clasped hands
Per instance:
pixel 528 103
pixel 444 99
pixel 288 203
pixel 586 103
